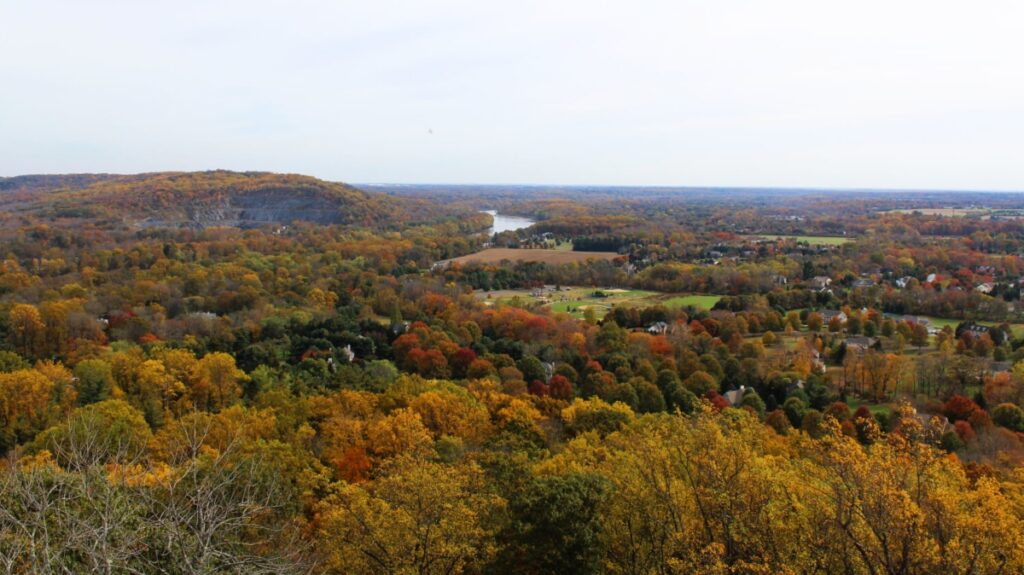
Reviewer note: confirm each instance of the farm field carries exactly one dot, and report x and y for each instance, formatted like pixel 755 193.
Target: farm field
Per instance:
pixel 577 300
pixel 812 240
pixel 556 256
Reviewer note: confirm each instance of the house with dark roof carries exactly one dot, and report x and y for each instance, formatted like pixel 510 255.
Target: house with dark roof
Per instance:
pixel 972 328
pixel 828 314
pixel 859 342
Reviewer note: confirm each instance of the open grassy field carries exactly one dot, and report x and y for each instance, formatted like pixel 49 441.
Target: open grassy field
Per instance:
pixel 556 256
pixel 812 240
pixel 941 322
pixel 1017 329
pixel 697 301
pixel 874 408
pixel 577 300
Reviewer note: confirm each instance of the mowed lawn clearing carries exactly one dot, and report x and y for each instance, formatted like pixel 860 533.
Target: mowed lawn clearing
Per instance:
pixel 557 256
pixel 697 301
pixel 577 301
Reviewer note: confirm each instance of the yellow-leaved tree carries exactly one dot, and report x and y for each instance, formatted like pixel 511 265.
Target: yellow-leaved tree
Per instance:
pixel 215 382
pixel 419 517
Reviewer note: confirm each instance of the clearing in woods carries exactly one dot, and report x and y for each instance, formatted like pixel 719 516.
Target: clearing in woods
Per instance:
pixel 576 300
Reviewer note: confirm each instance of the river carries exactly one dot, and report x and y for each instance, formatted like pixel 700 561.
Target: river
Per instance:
pixel 503 223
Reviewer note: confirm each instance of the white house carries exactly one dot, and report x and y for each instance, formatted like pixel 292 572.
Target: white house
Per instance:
pixel 658 328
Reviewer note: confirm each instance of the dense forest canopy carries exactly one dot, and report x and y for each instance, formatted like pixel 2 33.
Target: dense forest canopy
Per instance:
pixel 264 373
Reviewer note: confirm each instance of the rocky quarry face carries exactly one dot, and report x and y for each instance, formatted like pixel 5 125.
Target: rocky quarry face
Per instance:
pixel 272 205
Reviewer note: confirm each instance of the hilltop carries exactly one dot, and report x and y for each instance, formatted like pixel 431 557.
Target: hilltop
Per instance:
pixel 211 198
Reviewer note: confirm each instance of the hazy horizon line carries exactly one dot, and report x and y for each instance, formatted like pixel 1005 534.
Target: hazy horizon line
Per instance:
pixel 827 188
pixel 693 187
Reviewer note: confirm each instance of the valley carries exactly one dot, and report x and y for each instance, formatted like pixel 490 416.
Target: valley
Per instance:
pixel 335 371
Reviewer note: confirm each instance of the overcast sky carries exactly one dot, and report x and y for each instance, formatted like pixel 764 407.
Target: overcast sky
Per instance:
pixel 805 93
